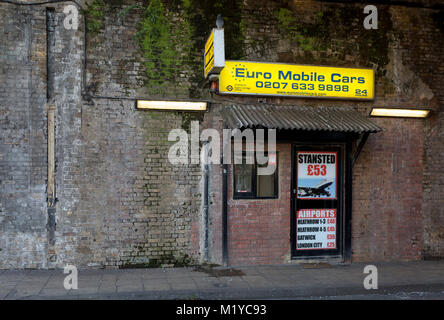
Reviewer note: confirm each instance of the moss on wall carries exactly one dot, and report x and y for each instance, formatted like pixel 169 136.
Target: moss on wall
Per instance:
pixel 308 36
pixel 95 13
pixel 164 38
pixel 338 30
pixel 187 117
pixel 172 35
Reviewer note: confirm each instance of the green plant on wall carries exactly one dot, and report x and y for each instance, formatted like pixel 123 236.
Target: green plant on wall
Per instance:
pixel 125 11
pixel 172 34
pixel 164 40
pixel 287 21
pixel 307 36
pixel 94 14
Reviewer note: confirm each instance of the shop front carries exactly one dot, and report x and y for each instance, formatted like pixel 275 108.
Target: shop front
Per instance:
pixel 302 210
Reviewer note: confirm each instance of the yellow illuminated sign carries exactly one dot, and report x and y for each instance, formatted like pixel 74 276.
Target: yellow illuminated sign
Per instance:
pixel 209 54
pixel 276 79
pixel 209 42
pixel 214 54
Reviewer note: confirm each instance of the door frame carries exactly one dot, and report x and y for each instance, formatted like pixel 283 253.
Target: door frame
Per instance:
pixel 344 193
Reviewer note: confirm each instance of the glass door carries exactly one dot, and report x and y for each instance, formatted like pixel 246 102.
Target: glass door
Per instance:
pixel 317 210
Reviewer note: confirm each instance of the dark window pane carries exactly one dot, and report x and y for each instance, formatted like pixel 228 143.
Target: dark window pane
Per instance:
pixel 266 184
pixel 250 182
pixel 243 174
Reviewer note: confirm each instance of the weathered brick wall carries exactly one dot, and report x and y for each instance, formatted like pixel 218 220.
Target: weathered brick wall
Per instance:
pixel 134 208
pixel 421 49
pixel 402 198
pixel 387 192
pixel 152 212
pixel 120 202
pixel 65 68
pixel 23 137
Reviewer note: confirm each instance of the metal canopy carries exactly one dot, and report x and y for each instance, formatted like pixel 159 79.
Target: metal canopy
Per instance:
pixel 338 119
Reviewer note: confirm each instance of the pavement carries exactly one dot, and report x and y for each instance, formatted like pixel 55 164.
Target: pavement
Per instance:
pixel 400 280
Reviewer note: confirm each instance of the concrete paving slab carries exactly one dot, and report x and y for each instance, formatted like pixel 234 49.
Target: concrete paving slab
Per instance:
pixel 8 284
pixel 5 292
pixel 205 285
pixel 153 273
pixel 46 292
pixel 88 285
pixel 133 283
pixel 89 290
pixel 154 281
pixel 92 278
pixel 234 283
pixel 109 277
pixel 159 286
pixel 200 275
pixel 107 289
pixel 132 277
pixel 130 287
pixel 15 273
pixel 257 281
pixel 54 285
pixel 91 272
pixel 252 272
pixel 35 279
pixel 184 275
pixel 31 284
pixel 182 284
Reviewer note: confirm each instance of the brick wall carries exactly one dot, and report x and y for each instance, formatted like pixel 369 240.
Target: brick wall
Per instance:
pixel 120 202
pixel 134 208
pixel 23 137
pixel 421 49
pixel 387 192
pixel 259 230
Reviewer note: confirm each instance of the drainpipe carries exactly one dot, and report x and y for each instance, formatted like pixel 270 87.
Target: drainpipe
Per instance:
pixel 226 155
pixel 51 155
pixel 51 193
pixel 206 197
pixel 51 108
pixel 349 203
pixel 225 215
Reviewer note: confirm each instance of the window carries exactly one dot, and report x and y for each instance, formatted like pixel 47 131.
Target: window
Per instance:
pixel 248 184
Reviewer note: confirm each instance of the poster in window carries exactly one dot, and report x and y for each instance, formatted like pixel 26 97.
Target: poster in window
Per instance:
pixel 316 229
pixel 316 175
